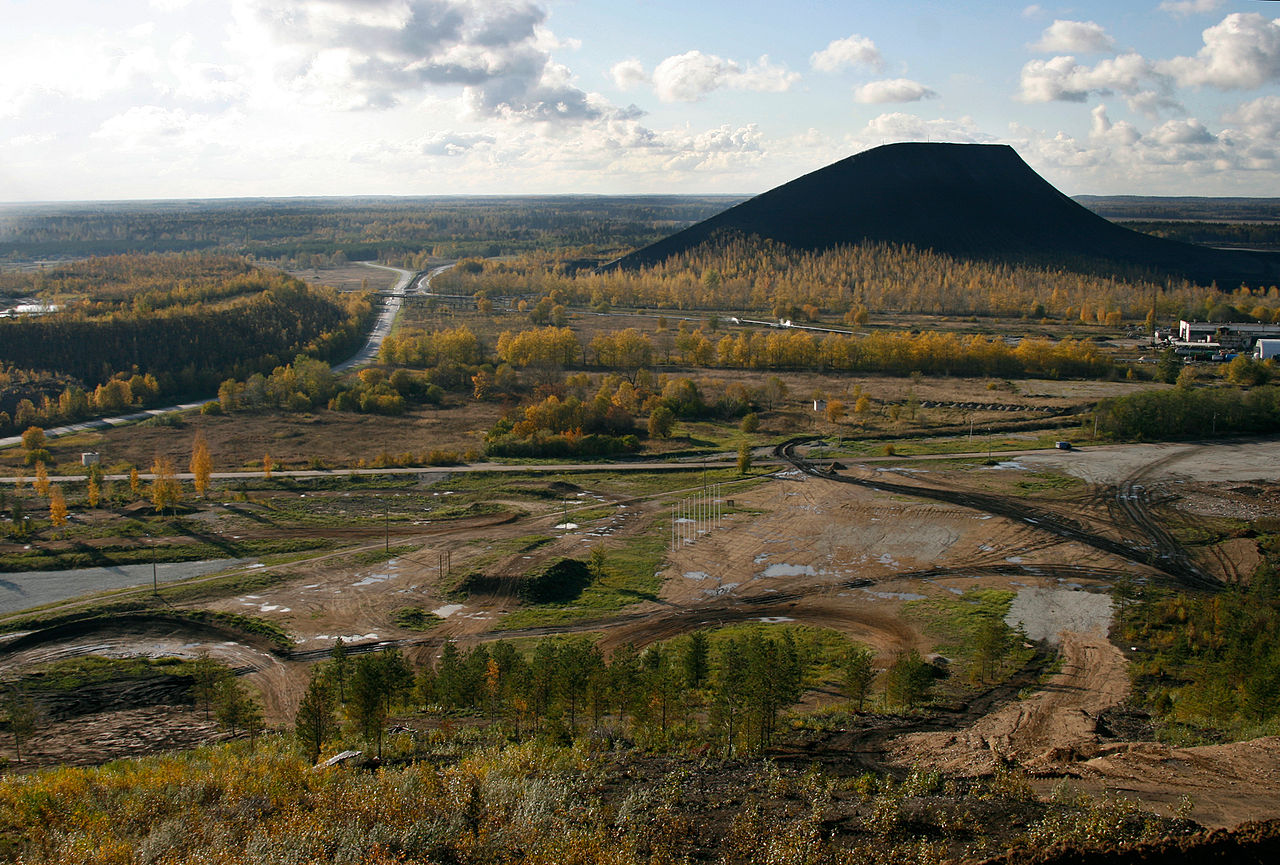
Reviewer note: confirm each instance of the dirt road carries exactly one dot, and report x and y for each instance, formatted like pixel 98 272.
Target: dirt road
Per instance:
pixel 1055 725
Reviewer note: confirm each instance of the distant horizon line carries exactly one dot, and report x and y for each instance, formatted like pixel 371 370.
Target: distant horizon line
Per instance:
pixel 58 202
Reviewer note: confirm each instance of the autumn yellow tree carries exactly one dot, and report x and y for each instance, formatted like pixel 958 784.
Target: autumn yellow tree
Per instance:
pixel 41 483
pixel 94 492
pixel 135 483
pixel 835 411
pixel 57 507
pixel 201 464
pixel 266 465
pixel 166 492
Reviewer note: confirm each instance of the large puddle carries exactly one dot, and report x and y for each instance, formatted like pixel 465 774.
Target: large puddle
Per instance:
pixel 1044 613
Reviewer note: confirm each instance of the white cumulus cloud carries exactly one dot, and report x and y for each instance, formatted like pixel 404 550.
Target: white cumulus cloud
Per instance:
pixel 1062 79
pixel 627 74
pixel 1102 129
pixel 892 90
pixel 689 76
pixel 380 53
pixel 1259 118
pixel 853 50
pixel 899 126
pixel 1240 52
pixel 1074 37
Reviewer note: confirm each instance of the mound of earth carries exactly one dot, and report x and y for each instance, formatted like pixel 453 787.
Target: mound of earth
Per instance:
pixel 968 200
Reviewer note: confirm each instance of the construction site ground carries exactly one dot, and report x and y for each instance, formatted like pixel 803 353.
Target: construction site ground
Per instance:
pixel 838 552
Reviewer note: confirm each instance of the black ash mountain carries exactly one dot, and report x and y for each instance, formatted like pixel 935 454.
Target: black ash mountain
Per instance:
pixel 967 200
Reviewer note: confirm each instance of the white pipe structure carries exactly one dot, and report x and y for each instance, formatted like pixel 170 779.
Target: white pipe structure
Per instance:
pixel 697 515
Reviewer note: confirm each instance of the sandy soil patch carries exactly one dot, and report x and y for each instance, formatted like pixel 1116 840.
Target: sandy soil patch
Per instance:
pixel 1057 724
pixel 1221 461
pixel 1228 784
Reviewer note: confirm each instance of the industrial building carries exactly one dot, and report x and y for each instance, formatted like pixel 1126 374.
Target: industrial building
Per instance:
pixel 1232 336
pixel 1211 340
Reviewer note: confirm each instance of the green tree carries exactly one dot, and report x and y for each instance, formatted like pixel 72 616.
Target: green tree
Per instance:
pixel 597 561
pixel 21 713
pixel 339 667
pixel 908 681
pixel 366 703
pixel 397 677
pixel 859 675
pixel 1168 366
pixel 744 457
pixel 697 659
pixel 313 725
pixel 661 422
pixel 729 686
pixel 206 674
pixel 237 709
pixel 624 678
pixel 990 646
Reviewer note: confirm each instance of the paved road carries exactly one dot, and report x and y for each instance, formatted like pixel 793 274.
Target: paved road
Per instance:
pixel 386 318
pixel 21 591
pixel 381 328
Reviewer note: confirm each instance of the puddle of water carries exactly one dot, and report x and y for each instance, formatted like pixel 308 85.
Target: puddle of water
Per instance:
pixel 346 638
pixel 896 596
pixel 785 570
pixel 1045 612
pixel 373 578
pixel 447 610
pixel 775 620
pixel 696 575
pixel 1014 560
pixel 568 527
pixel 722 589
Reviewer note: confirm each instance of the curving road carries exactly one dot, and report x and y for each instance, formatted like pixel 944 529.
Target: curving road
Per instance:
pixel 381 329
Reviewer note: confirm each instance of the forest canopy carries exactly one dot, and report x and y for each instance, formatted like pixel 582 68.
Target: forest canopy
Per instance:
pixel 176 323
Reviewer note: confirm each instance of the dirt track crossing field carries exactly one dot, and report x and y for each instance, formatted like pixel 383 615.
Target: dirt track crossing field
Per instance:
pixel 848 553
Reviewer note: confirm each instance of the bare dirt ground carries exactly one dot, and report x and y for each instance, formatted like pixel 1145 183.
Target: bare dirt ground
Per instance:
pixel 813 551
pixel 1238 460
pixel 104 736
pixel 1055 725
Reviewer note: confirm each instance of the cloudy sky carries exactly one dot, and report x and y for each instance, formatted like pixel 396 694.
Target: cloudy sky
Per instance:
pixel 215 98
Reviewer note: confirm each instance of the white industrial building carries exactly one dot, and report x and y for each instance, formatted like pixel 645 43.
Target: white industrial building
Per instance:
pixel 1233 335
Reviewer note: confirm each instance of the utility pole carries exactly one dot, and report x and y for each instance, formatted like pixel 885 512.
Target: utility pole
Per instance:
pixel 386 524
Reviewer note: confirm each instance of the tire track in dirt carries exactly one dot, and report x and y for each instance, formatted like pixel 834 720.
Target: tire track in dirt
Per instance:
pixel 1178 567
pixel 1058 724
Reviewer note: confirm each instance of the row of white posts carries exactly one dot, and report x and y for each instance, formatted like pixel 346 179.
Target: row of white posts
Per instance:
pixel 696 515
